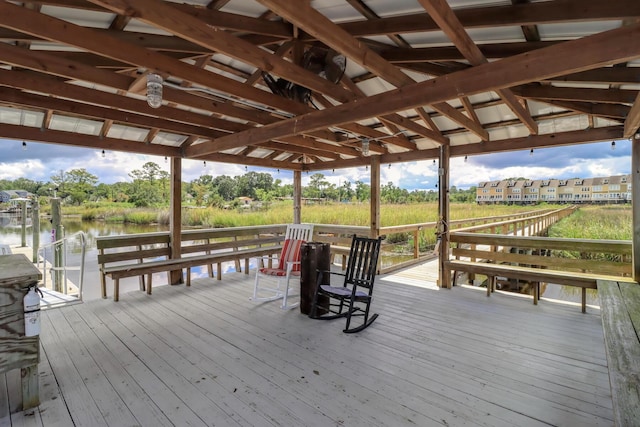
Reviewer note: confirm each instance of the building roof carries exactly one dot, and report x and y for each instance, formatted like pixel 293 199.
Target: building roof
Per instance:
pixel 480 75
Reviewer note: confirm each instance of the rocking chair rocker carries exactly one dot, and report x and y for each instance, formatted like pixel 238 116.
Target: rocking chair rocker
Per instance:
pixel 353 298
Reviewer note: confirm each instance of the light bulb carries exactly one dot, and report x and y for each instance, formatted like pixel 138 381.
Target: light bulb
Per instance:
pixel 154 90
pixel 613 145
pixel 103 154
pixel 24 146
pixel 531 152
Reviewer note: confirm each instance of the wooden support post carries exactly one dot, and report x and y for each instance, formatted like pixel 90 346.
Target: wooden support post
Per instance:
pixel 175 219
pixel 444 275
pixel 23 218
pixel 297 196
pixel 35 229
pixel 30 387
pixel 375 197
pixel 635 204
pixel 57 233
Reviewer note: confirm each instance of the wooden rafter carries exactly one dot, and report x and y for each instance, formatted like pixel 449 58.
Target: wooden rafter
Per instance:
pixel 321 27
pixel 449 23
pixel 590 52
pixel 213 57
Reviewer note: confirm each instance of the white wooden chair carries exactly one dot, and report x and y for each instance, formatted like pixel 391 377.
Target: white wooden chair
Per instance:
pixel 5 249
pixel 288 265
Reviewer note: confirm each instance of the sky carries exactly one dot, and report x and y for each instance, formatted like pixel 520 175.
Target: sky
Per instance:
pixel 39 162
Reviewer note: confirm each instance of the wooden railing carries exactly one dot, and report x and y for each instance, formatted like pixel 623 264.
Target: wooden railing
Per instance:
pixel 529 225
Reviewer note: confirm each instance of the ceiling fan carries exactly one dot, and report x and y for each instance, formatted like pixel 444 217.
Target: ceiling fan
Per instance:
pixel 328 64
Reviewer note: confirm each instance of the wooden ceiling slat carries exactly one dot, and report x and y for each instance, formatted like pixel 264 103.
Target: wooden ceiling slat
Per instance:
pixel 577 55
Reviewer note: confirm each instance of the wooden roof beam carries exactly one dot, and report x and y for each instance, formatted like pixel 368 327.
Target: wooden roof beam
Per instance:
pixel 512 144
pixel 632 122
pixel 443 15
pixel 605 96
pixel 47 27
pixel 595 51
pixel 185 25
pixel 548 12
pixel 313 22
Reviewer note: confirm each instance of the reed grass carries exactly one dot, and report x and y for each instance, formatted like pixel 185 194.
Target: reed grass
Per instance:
pixel 607 222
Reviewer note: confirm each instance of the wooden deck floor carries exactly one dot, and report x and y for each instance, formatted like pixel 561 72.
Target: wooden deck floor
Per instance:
pixel 206 355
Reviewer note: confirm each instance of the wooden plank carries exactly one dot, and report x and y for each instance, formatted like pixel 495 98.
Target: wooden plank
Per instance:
pixel 434 357
pixel 79 401
pixel 52 409
pixel 330 346
pixel 619 302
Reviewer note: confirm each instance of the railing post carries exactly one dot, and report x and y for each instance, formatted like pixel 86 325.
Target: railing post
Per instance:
pixel 35 229
pixel 297 196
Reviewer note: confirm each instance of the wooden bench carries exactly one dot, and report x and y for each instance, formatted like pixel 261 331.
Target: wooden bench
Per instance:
pixel 620 309
pixel 343 252
pixel 536 275
pixel 529 258
pixel 144 254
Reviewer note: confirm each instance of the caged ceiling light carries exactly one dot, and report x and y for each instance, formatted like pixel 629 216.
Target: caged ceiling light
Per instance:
pixel 365 147
pixel 154 90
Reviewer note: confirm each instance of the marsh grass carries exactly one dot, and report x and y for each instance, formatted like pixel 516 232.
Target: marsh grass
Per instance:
pixel 607 222
pixel 282 212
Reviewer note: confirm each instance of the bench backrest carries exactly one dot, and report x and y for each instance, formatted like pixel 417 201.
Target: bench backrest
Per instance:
pixel 132 247
pixel 533 251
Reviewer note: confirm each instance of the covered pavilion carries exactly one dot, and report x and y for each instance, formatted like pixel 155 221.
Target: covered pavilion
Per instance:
pixel 314 85
pixel 317 85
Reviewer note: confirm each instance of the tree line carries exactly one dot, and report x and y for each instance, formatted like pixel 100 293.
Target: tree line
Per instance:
pixel 150 186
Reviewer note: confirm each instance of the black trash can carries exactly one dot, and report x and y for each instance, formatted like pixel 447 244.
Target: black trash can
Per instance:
pixel 313 256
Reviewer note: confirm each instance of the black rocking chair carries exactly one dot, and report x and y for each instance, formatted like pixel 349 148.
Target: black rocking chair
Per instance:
pixel 353 298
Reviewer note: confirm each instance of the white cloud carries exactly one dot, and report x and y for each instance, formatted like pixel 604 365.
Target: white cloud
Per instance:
pixel 31 168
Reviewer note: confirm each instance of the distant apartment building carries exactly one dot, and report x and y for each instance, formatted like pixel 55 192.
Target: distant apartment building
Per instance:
pixel 612 189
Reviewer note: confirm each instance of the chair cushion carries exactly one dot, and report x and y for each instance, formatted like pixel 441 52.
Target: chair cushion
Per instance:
pixel 277 272
pixel 290 253
pixel 342 291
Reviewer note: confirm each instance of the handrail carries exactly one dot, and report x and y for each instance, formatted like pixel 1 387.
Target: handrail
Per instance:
pixel 56 246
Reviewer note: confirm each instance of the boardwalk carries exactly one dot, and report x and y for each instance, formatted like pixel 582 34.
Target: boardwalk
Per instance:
pixel 205 355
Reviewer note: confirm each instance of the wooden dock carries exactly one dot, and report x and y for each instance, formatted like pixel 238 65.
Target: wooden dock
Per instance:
pixel 206 355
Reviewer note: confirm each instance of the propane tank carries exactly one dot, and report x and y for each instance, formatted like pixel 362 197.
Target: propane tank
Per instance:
pixel 32 311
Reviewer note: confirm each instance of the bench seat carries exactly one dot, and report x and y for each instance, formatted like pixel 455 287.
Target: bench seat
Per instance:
pixel 116 272
pixel 620 309
pixel 583 280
